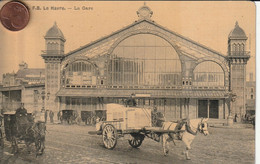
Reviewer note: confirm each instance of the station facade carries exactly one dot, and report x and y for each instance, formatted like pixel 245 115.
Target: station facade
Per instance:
pixel 161 68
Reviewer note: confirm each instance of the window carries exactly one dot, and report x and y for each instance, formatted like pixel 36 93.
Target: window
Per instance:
pixel 80 73
pixel 252 96
pixel 242 47
pixel 208 73
pixel 144 59
pixel 234 47
pixel 252 90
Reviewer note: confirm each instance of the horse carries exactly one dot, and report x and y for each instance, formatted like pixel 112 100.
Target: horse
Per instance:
pixel 187 130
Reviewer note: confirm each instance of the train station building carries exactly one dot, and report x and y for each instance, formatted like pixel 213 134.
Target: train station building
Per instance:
pixel 161 68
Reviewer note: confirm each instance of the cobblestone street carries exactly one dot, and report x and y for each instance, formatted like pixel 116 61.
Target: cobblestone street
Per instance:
pixel 73 144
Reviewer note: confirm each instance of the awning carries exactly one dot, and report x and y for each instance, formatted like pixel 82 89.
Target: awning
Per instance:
pixel 11 88
pixel 82 92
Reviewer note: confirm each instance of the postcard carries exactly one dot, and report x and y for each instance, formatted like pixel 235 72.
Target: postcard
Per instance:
pixel 127 82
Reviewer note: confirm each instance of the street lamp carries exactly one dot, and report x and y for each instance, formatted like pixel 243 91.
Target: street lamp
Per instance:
pixel 44 97
pixel 231 97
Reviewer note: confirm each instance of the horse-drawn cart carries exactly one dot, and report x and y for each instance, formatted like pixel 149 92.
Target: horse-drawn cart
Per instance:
pixel 136 123
pixel 133 123
pixel 24 129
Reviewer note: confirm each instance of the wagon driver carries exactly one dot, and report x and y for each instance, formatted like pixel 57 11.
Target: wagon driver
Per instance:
pixel 22 120
pixel 131 101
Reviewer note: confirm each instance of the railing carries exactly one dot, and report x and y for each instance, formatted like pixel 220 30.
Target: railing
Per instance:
pixel 238 53
pixel 56 52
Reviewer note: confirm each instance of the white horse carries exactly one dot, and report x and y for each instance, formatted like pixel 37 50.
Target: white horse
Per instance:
pixel 188 130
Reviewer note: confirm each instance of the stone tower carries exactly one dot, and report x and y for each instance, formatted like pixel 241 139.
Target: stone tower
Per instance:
pixel 52 55
pixel 237 59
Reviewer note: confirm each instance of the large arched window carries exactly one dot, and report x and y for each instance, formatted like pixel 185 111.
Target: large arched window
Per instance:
pixel 208 73
pixel 79 73
pixel 144 60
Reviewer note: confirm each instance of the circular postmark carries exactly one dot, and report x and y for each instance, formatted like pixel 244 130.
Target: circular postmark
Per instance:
pixel 14 15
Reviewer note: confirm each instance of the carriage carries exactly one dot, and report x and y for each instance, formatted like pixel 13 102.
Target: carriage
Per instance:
pixel 69 116
pixel 31 132
pixel 133 123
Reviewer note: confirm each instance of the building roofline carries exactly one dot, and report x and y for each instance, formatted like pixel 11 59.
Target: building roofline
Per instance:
pixel 135 23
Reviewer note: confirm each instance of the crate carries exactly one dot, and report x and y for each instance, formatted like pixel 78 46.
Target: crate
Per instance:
pixel 128 117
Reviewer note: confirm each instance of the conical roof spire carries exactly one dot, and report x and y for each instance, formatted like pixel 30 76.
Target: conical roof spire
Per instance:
pixel 237 32
pixel 54 32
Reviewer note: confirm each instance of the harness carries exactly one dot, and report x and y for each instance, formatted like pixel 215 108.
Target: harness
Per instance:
pixel 177 128
pixel 188 128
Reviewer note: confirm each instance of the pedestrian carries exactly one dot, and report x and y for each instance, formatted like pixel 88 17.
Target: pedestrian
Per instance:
pixel 46 116
pixel 236 116
pixel 59 115
pixel 51 114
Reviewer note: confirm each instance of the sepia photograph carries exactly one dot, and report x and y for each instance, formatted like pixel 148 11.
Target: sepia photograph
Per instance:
pixel 127 82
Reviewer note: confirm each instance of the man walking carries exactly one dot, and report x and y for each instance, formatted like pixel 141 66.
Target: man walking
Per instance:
pixel 46 116
pixel 51 114
pixel 59 116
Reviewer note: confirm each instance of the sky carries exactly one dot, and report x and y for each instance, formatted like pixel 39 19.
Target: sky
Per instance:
pixel 208 23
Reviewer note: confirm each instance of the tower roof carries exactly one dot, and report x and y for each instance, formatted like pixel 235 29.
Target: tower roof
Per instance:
pixel 237 32
pixel 54 32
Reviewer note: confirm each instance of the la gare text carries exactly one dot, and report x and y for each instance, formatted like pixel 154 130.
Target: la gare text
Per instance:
pixel 62 8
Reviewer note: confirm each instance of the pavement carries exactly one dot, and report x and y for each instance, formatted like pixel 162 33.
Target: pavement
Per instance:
pixel 73 144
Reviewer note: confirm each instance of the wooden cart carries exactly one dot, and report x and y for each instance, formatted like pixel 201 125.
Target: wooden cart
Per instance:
pixel 130 122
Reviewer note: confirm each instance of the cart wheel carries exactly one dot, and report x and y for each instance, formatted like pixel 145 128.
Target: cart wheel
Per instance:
pixel 39 144
pixel 136 141
pixel 109 136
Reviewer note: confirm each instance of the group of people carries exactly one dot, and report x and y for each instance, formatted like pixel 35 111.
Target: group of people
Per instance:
pixel 51 115
pixel 244 118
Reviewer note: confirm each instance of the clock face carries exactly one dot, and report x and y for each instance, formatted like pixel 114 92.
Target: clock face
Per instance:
pixel 144 12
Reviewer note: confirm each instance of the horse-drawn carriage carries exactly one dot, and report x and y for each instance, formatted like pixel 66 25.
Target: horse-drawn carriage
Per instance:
pixel 135 124
pixel 29 132
pixel 69 116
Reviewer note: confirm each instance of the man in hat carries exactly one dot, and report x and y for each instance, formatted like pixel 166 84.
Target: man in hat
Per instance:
pixel 21 120
pixel 21 110
pixel 131 101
